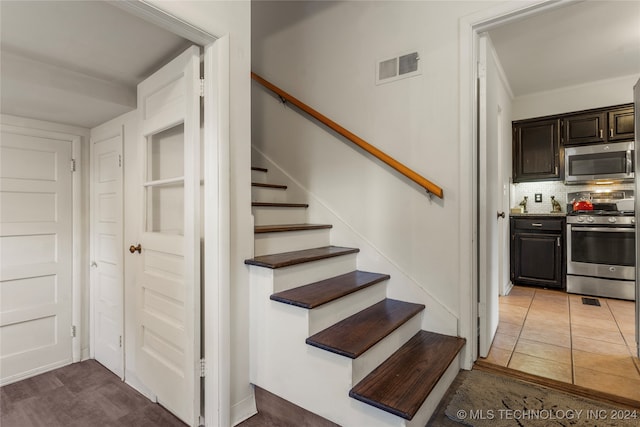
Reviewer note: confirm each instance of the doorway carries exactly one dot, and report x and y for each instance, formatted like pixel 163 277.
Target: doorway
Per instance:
pixel 470 31
pixel 106 97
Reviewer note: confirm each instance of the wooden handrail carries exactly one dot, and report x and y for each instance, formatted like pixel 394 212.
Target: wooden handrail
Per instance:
pixel 412 175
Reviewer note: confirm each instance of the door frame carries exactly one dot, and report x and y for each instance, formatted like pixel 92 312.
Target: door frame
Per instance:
pixel 216 298
pixel 79 189
pixel 470 28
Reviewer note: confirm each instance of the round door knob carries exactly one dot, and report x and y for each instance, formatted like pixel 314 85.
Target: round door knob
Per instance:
pixel 501 215
pixel 134 249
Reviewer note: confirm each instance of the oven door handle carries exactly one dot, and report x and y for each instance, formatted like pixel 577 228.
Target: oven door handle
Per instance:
pixel 629 162
pixel 604 229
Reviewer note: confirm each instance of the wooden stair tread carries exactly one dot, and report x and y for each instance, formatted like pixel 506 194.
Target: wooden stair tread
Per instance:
pixel 256 168
pixel 279 205
pixel 358 333
pixel 319 293
pixel 289 227
pixel 286 259
pixel 264 185
pixel 402 383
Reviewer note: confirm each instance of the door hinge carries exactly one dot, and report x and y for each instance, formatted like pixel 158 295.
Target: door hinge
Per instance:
pixel 202 88
pixel 120 160
pixel 203 368
pixel 73 331
pixel 73 165
pixel 201 421
pixel 120 341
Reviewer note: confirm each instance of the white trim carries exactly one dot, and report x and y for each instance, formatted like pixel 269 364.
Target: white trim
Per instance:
pixel 162 19
pixel 217 299
pixel 470 27
pixel 78 248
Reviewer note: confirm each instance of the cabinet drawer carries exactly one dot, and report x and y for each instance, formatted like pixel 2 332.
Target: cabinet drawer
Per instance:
pixel 538 224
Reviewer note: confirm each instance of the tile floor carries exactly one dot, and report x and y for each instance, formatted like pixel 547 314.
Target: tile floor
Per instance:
pixel 554 335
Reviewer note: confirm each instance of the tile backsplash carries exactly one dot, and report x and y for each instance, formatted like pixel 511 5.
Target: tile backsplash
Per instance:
pixel 548 189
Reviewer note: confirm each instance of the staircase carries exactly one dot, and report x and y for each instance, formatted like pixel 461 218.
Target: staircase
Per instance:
pixel 325 337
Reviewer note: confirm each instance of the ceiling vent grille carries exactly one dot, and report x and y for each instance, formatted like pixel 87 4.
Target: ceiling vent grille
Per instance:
pixel 400 67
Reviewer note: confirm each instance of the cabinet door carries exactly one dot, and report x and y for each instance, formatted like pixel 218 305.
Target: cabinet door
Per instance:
pixel 621 124
pixel 537 259
pixel 536 153
pixel 583 128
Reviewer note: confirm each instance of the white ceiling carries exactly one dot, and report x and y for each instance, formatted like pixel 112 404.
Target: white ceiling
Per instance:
pixel 575 44
pixel 76 62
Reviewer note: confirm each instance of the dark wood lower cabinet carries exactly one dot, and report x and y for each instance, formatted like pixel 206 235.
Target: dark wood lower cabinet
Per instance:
pixel 537 251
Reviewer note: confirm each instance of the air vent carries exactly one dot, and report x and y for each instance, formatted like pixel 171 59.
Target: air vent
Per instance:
pixel 399 67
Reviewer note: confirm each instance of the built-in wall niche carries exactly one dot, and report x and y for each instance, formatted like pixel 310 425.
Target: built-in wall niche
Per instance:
pixel 164 186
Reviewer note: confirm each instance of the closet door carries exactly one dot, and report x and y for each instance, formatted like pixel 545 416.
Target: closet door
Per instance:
pixel 168 289
pixel 35 252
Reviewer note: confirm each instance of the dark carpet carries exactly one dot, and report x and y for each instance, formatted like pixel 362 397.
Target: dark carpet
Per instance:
pixel 84 394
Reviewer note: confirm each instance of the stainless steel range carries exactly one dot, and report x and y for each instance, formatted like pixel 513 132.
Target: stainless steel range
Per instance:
pixel 601 245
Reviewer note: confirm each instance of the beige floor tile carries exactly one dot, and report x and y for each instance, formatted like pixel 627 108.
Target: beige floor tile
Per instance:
pixel 548 326
pixel 614 337
pixel 546 336
pixel 591 312
pixel 512 314
pixel 521 290
pixel 505 342
pixel 541 367
pixel 551 308
pixel 547 318
pixel 614 384
pixel 614 365
pixel 519 300
pixel 509 328
pixel 498 356
pixel 605 324
pixel 598 347
pixel 544 351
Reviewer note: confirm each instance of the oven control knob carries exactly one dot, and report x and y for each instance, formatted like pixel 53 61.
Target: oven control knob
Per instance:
pixel 580 219
pixel 590 219
pixel 633 220
pixel 612 220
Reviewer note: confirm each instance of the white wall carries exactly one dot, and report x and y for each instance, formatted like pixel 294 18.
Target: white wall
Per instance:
pixel 597 94
pixel 220 18
pixel 324 54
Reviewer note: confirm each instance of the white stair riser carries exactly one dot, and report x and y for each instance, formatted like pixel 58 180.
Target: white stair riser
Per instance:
pixel 372 358
pixel 286 241
pixel 331 313
pixel 278 215
pixel 258 176
pixel 314 379
pixel 430 405
pixel 310 272
pixel 268 195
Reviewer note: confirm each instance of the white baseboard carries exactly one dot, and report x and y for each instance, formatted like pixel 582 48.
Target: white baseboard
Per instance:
pixel 244 409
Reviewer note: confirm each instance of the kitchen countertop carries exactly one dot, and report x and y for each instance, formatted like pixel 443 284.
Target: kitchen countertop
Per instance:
pixel 530 214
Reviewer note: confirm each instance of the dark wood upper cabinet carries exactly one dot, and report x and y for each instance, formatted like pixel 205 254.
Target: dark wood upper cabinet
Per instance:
pixel 583 128
pixel 536 155
pixel 621 125
pixel 598 126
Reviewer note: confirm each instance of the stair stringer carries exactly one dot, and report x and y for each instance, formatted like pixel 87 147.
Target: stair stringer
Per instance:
pixel 438 318
pixel 314 379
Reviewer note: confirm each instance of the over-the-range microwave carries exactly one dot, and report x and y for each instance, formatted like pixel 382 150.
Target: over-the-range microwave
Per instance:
pixel 599 162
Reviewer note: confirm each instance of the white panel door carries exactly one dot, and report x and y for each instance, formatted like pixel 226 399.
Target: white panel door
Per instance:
pixel 35 253
pixel 168 288
pixel 489 197
pixel 107 249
